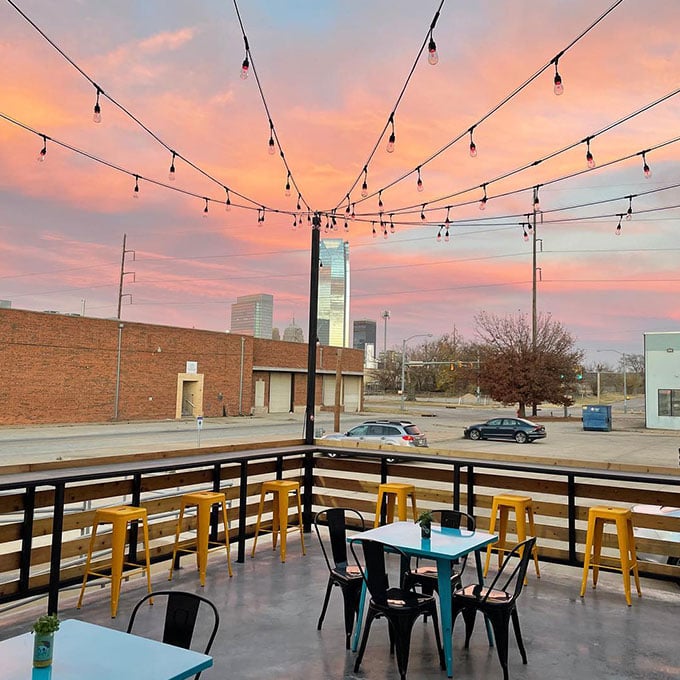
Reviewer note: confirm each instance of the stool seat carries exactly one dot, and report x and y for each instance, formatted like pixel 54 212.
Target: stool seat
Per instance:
pixel 119 517
pixel 204 502
pixel 395 493
pixel 523 508
pixel 598 516
pixel 281 490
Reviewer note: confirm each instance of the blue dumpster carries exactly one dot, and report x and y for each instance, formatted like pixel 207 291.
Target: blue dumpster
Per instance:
pixel 597 418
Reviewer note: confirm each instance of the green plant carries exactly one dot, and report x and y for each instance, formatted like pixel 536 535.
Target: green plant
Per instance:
pixel 46 624
pixel 425 517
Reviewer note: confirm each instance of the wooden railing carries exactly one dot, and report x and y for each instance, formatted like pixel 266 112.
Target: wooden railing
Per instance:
pixel 46 510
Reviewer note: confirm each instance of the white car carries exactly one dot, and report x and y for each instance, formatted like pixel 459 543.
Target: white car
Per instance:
pixel 657 534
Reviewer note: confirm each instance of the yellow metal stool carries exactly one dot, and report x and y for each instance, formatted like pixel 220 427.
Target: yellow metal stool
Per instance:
pixel 395 493
pixel 524 517
pixel 204 502
pixel 119 517
pixel 281 490
pixel 598 516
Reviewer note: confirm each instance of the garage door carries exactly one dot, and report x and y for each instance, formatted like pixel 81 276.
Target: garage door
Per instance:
pixel 352 385
pixel 279 392
pixel 328 398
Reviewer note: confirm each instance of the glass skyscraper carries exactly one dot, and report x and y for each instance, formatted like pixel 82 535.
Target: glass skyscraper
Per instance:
pixel 333 327
pixel 253 315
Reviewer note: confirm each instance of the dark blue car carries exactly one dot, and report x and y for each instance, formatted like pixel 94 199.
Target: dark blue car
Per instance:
pixel 517 429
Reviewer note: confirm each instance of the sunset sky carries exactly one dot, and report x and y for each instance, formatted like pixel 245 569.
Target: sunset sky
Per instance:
pixel 331 73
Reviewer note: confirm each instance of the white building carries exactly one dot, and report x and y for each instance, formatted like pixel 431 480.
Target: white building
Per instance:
pixel 662 380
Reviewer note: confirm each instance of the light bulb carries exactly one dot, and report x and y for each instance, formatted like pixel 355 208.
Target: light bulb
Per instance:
pixel 205 210
pixel 380 201
pixel 590 160
pixel 244 68
pixel 618 227
pixel 41 156
pixel 558 89
pixel 390 144
pixel 135 192
pixel 420 184
pixel 374 232
pixel 525 236
pixel 645 168
pixel 537 204
pixel 439 235
pixel 473 149
pixel 432 56
pixel 364 189
pixel 97 115
pixel 422 212
pixel 446 236
pixel 482 203
pixel 629 214
pixel 272 148
pixel 227 204
pixel 287 192
pixel 171 174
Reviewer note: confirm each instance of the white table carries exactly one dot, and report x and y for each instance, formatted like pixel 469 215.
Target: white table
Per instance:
pixel 86 651
pixel 444 547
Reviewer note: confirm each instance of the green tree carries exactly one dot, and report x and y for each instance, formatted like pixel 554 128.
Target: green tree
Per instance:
pixel 512 370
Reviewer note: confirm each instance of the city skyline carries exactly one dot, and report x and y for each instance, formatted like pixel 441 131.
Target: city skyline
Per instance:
pixel 331 75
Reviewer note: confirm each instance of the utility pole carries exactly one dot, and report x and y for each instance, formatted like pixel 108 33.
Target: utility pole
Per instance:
pixel 123 273
pixel 534 406
pixel 385 316
pixel 311 337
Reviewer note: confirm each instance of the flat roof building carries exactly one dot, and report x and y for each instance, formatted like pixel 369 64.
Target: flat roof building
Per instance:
pixel 253 315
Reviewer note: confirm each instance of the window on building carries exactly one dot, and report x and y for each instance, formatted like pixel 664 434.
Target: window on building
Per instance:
pixel 669 402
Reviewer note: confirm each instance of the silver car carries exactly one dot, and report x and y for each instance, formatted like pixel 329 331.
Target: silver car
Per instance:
pixel 393 432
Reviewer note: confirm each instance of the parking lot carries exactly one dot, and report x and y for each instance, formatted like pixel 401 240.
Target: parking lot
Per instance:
pixel 628 442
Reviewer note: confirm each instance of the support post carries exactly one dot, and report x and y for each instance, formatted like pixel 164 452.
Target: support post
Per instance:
pixel 312 335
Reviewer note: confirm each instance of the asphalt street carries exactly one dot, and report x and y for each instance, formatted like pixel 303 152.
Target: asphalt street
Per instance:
pixel 628 442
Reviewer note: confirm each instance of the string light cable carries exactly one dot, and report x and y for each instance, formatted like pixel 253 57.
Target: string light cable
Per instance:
pixel 428 43
pixel 100 92
pixel 499 105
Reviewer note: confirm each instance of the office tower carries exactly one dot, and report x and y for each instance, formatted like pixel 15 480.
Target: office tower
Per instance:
pixel 293 333
pixel 333 309
pixel 253 315
pixel 364 333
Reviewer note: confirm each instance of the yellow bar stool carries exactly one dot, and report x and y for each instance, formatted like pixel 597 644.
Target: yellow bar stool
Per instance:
pixel 598 516
pixel 119 517
pixel 281 490
pixel 399 494
pixel 204 502
pixel 524 518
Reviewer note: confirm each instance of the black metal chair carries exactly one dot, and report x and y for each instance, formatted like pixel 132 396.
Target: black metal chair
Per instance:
pixel 498 602
pixel 346 577
pixel 425 575
pixel 400 607
pixel 182 611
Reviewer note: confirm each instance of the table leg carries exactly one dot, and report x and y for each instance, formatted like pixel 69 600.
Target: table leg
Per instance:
pixel 444 586
pixel 360 618
pixel 480 576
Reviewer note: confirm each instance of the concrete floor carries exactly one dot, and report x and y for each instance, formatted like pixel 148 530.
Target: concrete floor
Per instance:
pixel 269 612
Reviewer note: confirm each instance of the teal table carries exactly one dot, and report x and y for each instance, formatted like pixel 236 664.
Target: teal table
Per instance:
pixel 84 651
pixel 445 546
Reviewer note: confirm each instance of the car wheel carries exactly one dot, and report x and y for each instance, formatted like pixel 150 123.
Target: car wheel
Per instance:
pixel 521 437
pixel 475 434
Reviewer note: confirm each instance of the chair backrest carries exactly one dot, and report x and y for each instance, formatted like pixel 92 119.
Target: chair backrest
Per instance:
pixel 374 572
pixel 510 576
pixel 454 519
pixel 181 615
pixel 336 520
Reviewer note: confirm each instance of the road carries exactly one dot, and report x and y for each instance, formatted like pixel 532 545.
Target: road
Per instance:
pixel 443 423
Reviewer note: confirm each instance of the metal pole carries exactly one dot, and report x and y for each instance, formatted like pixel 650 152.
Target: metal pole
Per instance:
pixel 625 386
pixel 115 405
pixel 534 406
pixel 311 338
pixel 403 367
pixel 122 274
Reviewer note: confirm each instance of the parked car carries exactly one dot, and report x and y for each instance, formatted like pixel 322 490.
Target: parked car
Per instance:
pixel 394 432
pixel 658 534
pixel 519 429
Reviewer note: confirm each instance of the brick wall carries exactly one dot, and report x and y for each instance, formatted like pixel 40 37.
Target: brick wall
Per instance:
pixel 59 369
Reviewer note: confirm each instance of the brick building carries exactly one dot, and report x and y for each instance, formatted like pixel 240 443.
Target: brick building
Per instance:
pixel 66 369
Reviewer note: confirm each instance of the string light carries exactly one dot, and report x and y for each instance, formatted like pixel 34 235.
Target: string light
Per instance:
pixel 589 156
pixel 473 146
pixel 227 203
pixel 525 236
pixel 171 173
pixel 432 56
pixel 446 235
pixel 422 212
pixel 390 143
pixel 298 206
pixel 380 201
pixel 287 191
pixel 482 203
pixel 295 219
pixel 629 212
pixel 43 152
pixel 353 214
pixel 391 224
pixel 374 232
pixel 346 226
pixel 347 209
pixel 645 167
pixel 135 191
pixel 271 148
pixel 537 202
pixel 439 234
pixel 97 114
pixel 245 66
pixel 447 221
pixel 558 87
pixel 364 186
pixel 618 226
pixel 205 210
pixel 384 231
pixel 419 183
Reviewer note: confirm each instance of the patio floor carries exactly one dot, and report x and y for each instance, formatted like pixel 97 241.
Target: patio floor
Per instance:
pixel 269 612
